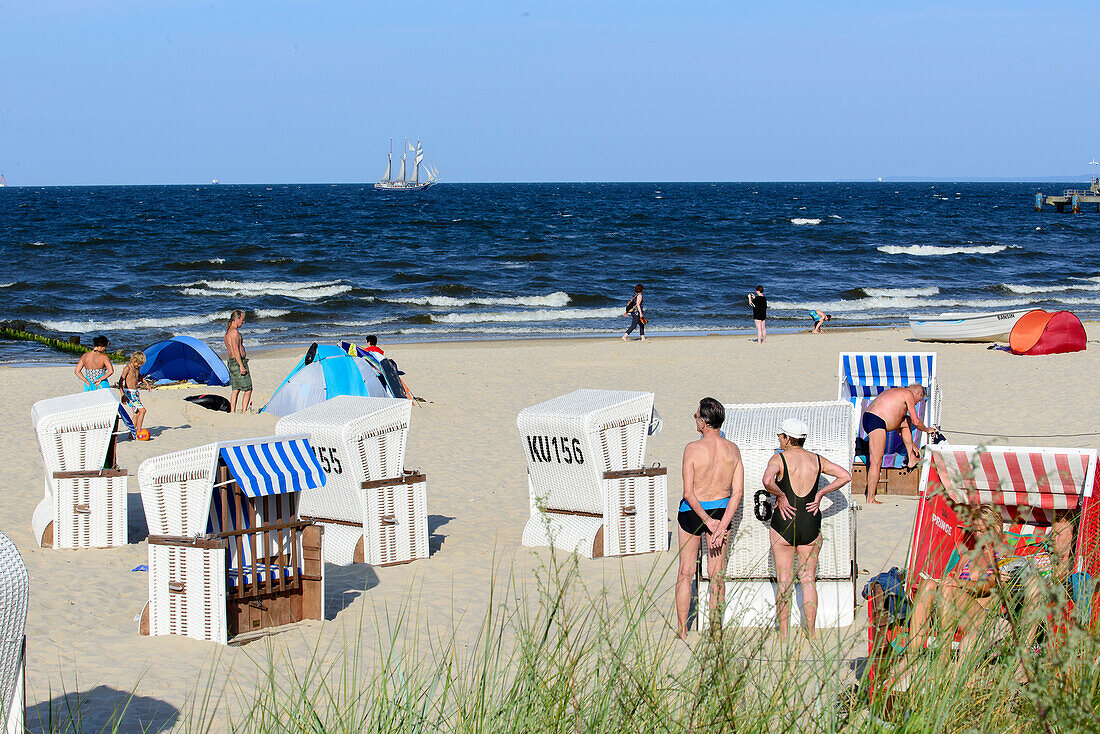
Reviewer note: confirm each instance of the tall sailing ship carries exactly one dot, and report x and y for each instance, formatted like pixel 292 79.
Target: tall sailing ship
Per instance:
pixel 389 183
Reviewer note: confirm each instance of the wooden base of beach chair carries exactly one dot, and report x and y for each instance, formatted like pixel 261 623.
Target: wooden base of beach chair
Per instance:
pixel 268 610
pixel 751 603
pixel 84 509
pixel 900 482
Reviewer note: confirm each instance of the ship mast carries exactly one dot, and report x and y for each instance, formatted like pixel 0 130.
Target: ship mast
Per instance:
pixel 389 162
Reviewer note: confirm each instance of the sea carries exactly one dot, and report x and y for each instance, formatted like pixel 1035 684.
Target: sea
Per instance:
pixel 513 261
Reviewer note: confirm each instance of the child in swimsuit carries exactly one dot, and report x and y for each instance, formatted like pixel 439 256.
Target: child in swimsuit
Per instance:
pixel 129 383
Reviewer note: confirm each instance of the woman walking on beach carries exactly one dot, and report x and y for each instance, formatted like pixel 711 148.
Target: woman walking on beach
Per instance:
pixel 759 313
pixel 634 308
pixel 94 368
pixel 793 476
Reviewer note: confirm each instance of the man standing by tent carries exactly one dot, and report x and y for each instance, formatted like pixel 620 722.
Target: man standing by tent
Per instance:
pixel 240 380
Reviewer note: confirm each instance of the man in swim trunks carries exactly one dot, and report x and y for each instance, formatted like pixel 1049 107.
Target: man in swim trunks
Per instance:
pixel 893 410
pixel 714 480
pixel 240 381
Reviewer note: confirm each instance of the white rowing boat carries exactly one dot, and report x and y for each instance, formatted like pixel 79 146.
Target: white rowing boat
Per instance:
pixel 966 327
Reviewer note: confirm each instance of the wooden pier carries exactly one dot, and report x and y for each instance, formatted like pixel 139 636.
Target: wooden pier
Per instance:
pixel 1073 198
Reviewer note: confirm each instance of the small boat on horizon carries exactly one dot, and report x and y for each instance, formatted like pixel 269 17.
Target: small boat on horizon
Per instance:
pixel 3 181
pixel 389 183
pixel 966 327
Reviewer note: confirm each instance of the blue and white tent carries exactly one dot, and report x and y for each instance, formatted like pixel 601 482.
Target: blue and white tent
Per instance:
pixel 184 358
pixel 332 372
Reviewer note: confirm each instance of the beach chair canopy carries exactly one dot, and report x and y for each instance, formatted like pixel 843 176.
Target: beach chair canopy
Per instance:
pixel 571 440
pixel 178 489
pixel 864 375
pixel 184 358
pixel 1040 332
pixel 1028 485
pixel 331 373
pixel 755 429
pixel 74 431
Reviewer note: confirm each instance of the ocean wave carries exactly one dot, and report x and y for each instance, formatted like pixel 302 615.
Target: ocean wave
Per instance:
pixel 934 250
pixel 565 314
pixel 8 285
pixel 168 323
pixel 805 220
pixel 302 290
pixel 901 292
pixel 886 303
pixel 552 300
pixel 1095 286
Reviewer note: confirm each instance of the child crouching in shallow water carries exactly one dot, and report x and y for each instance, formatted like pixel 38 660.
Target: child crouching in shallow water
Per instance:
pixel 128 384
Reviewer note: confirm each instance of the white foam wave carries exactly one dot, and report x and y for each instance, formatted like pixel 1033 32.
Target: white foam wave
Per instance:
pixel 1050 288
pixel 934 250
pixel 902 292
pixel 881 303
pixel 552 300
pixel 169 323
pixel 36 243
pixel 6 285
pixel 565 314
pixel 216 260
pixel 805 220
pixel 834 216
pixel 515 265
pixel 305 291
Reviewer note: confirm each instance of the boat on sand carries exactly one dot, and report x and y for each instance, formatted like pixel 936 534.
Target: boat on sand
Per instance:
pixel 966 327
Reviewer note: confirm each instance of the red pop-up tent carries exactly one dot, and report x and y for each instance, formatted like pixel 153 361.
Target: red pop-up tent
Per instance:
pixel 1041 332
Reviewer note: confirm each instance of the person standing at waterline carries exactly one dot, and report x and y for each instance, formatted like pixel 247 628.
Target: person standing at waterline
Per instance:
pixel 240 381
pixel 759 313
pixel 634 309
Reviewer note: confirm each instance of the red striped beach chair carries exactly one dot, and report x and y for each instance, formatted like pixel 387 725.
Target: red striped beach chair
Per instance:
pixel 1031 486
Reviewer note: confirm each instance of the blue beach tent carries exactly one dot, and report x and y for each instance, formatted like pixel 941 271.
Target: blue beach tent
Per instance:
pixel 184 358
pixel 325 372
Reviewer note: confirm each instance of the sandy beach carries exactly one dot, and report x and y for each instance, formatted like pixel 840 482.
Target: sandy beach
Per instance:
pixel 83 641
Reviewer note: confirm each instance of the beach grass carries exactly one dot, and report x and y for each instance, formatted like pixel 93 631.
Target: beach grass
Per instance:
pixel 582 660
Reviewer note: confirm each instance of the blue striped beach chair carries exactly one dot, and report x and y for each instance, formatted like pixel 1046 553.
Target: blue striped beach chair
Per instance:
pixel 228 553
pixel 863 375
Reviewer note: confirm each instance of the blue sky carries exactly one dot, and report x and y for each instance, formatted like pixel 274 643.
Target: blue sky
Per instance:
pixel 120 91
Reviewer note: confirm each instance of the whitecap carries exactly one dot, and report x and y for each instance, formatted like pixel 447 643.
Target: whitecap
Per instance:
pixel 552 300
pixel 521 316
pixel 902 292
pixel 936 250
pixel 169 323
pixel 805 220
pixel 305 291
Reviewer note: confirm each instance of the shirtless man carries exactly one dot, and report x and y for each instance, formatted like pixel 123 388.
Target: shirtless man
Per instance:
pixel 893 410
pixel 714 480
pixel 240 381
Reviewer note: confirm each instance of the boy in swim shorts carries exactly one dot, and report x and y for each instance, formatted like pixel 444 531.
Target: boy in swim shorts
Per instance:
pixel 819 317
pixel 129 383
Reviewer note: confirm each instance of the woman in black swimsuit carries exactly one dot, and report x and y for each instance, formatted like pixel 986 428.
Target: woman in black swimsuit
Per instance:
pixel 794 476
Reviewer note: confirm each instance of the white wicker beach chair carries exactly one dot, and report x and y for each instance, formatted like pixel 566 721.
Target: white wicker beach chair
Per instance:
pixel 228 554
pixel 13 619
pixel 85 502
pixel 590 489
pixel 750 569
pixel 863 375
pixel 373 510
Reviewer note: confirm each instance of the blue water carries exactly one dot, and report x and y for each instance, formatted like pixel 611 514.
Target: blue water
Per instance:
pixel 324 262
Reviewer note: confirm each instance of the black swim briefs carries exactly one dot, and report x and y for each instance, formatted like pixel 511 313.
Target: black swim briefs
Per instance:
pixel 872 422
pixel 690 522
